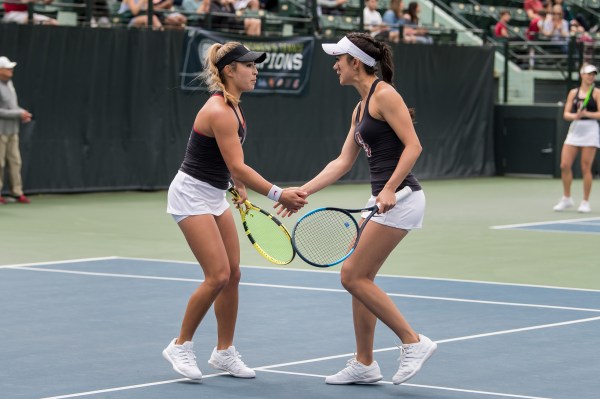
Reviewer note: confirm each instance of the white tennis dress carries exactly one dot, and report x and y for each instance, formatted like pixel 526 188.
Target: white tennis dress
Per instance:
pixel 584 133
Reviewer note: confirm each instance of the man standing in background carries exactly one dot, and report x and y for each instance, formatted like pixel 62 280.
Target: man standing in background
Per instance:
pixel 11 115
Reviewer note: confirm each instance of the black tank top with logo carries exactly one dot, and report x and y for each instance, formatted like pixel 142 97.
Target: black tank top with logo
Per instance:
pixel 382 147
pixel 591 106
pixel 203 159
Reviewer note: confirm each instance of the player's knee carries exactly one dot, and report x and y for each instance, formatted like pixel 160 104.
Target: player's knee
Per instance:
pixel 235 275
pixel 219 280
pixel 565 167
pixel 348 279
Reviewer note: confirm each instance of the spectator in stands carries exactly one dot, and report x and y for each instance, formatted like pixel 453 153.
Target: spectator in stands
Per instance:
pixel 134 13
pixel 100 13
pixel 11 116
pixel 332 7
pixel 250 26
pixel 565 8
pixel 16 11
pixel 166 15
pixel 419 33
pixel 373 22
pixel 533 8
pixel 583 137
pixel 556 28
pixel 394 19
pixel 580 28
pixel 501 30
pixel 535 26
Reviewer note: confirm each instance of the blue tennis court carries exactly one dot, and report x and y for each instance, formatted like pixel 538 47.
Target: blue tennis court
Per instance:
pixel 584 226
pixel 95 328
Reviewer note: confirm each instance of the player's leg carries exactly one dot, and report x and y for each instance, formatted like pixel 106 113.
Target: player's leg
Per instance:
pixel 376 243
pixel 226 304
pixel 202 235
pixel 204 239
pixel 357 276
pixel 567 157
pixel 364 331
pixel 362 368
pixel 225 356
pixel 587 159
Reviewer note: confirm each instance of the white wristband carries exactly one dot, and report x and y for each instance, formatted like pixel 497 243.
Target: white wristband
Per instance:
pixel 274 193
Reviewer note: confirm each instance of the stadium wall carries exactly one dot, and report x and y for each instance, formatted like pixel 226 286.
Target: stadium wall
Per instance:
pixel 109 113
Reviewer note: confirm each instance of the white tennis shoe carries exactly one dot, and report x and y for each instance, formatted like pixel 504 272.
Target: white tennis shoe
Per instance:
pixel 230 360
pixel 182 359
pixel 584 207
pixel 564 203
pixel 356 373
pixel 412 357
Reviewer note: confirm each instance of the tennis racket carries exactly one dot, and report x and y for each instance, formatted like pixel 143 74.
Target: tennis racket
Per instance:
pixel 266 233
pixel 327 236
pixel 581 107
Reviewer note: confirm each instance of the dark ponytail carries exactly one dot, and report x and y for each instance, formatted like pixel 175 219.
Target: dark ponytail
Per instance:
pixel 377 49
pixel 386 63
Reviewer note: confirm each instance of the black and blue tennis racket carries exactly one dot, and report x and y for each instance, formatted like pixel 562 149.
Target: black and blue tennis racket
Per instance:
pixel 327 236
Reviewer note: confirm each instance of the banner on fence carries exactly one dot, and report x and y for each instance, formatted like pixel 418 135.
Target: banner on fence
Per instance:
pixel 285 70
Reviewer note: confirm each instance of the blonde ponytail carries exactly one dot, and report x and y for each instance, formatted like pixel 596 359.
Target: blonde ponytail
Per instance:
pixel 214 80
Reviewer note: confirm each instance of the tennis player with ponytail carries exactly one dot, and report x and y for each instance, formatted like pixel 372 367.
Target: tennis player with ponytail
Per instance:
pixel 382 128
pixel 197 202
pixel 581 108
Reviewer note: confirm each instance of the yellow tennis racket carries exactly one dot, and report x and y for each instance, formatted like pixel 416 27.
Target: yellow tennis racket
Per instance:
pixel 266 233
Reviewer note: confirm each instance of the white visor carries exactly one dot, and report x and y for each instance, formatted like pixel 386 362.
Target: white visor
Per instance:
pixel 589 69
pixel 345 46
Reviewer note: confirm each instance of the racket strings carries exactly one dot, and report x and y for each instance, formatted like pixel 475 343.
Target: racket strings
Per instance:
pixel 269 236
pixel 326 236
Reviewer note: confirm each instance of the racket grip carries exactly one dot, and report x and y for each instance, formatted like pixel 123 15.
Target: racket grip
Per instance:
pixel 400 195
pixel 405 192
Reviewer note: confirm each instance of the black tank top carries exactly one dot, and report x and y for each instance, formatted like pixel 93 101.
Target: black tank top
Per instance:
pixel 591 105
pixel 382 147
pixel 203 159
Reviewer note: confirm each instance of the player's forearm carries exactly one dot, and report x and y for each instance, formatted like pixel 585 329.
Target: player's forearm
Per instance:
pixel 329 175
pixel 250 178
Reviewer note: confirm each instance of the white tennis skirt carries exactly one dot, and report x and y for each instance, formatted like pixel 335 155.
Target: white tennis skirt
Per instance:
pixel 189 196
pixel 407 214
pixel 584 133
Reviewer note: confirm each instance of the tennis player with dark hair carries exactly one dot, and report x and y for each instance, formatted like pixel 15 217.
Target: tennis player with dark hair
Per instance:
pixel 382 128
pixel 581 108
pixel 197 202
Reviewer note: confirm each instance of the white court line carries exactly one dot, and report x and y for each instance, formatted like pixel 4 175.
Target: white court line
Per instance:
pixel 59 262
pixel 323 270
pixel 320 270
pixel 441 341
pixel 293 287
pixel 506 395
pixel 512 226
pixel 314 360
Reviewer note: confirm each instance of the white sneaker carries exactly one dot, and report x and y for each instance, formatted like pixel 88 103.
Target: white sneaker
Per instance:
pixel 230 360
pixel 584 207
pixel 564 203
pixel 412 357
pixel 182 359
pixel 356 373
